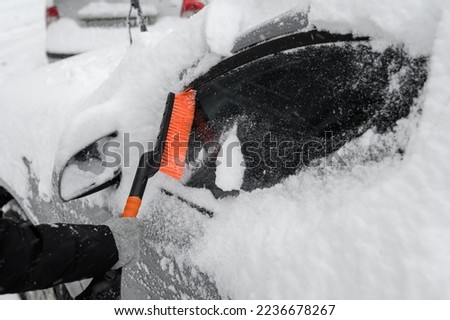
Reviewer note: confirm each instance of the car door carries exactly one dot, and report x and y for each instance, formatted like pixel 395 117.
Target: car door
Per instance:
pixel 292 103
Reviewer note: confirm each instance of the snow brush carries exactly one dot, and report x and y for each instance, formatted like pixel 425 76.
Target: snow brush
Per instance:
pixel 169 154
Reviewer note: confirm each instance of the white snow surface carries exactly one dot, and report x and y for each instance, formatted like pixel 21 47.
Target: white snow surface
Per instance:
pixel 370 230
pixel 375 231
pixel 22 37
pixel 230 163
pixel 49 99
pixel 412 22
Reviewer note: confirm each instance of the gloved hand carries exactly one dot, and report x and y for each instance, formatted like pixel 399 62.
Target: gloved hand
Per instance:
pixel 127 233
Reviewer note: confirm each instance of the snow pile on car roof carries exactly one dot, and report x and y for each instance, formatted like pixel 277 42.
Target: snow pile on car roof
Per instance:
pixel 411 22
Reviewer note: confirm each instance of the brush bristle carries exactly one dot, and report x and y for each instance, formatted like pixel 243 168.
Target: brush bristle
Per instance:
pixel 175 149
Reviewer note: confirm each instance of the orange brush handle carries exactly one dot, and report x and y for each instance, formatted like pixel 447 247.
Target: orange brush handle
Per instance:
pixel 132 207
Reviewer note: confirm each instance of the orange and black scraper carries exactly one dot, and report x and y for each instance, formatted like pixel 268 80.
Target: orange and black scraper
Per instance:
pixel 169 154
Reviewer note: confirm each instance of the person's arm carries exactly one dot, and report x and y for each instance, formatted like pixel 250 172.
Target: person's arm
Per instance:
pixel 38 257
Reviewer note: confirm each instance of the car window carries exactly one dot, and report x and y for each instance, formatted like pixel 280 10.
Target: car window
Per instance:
pixel 294 107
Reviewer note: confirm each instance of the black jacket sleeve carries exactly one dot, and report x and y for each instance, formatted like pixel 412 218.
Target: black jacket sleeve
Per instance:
pixel 42 256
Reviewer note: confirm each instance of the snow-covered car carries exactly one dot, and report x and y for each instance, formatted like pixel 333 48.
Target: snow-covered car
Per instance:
pixel 308 165
pixel 76 26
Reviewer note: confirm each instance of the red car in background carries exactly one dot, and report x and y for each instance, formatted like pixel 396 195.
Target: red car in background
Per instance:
pixel 52 13
pixel 183 8
pixel 191 7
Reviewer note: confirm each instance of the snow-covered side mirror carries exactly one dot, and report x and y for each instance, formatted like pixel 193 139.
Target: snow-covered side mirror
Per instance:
pixel 89 170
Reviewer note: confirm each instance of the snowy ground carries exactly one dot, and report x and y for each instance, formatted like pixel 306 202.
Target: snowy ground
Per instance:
pixel 376 230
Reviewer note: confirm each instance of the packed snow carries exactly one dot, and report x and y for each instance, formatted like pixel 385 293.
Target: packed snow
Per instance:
pixel 371 230
pixel 230 165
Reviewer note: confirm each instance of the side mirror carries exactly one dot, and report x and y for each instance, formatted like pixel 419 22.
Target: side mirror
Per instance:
pixel 89 171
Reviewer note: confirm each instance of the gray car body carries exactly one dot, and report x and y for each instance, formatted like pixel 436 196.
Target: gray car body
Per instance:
pixel 149 278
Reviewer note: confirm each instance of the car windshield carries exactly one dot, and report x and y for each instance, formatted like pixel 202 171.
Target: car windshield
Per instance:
pixel 295 107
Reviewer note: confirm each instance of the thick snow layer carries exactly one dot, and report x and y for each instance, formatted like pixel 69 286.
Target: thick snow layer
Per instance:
pixel 22 37
pixel 230 163
pixel 412 22
pixel 113 10
pixel 369 230
pixel 379 230
pixel 49 99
